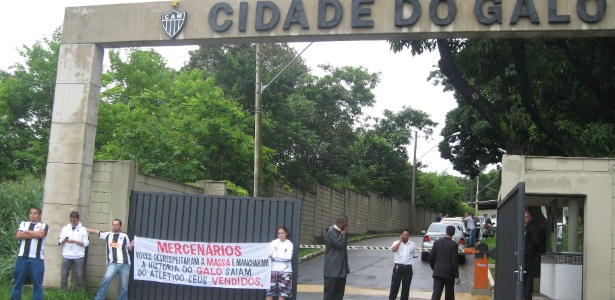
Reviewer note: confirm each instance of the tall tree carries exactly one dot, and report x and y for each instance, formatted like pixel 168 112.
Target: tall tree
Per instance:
pixel 379 158
pixel 176 125
pixel 309 120
pixel 335 101
pixel 441 193
pixel 26 101
pixel 537 96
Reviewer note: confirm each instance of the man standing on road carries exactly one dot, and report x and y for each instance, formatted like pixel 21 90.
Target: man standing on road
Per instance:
pixel 443 262
pixel 30 260
pixel 336 259
pixel 118 260
pixel 405 252
pixel 531 248
pixel 73 240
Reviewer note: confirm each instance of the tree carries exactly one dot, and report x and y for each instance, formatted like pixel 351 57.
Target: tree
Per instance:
pixel 26 101
pixel 335 103
pixel 176 125
pixel 441 193
pixel 234 67
pixel 379 158
pixel 538 96
pixel 469 143
pixel 489 185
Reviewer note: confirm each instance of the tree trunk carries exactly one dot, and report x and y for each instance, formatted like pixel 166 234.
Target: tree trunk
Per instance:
pixel 496 119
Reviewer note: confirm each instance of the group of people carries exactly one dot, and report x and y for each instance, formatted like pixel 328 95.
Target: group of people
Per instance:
pixel 442 259
pixel 74 240
pixel 469 221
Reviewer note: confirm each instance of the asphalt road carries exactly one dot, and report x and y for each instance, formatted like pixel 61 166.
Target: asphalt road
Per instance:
pixel 371 270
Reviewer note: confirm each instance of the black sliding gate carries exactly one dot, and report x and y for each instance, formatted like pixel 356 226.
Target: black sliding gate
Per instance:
pixel 205 218
pixel 509 245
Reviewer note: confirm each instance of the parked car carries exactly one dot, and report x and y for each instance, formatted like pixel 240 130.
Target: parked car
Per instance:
pixel 457 221
pixel 436 231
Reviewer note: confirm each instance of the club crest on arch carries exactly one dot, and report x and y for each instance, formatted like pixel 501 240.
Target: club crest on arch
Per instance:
pixel 173 22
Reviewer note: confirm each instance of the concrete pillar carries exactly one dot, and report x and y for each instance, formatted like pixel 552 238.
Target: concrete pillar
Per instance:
pixel 573 225
pixel 212 187
pixel 71 146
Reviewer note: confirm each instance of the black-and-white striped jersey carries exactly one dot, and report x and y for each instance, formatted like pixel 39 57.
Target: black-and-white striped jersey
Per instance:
pixel 32 248
pixel 117 247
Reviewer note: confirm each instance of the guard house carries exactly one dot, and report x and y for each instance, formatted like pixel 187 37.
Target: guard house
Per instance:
pixel 576 197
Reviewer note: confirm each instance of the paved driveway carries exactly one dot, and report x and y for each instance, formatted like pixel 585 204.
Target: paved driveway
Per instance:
pixel 370 276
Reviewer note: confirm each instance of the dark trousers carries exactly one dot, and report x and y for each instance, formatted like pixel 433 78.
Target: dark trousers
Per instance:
pixel 334 288
pixel 79 270
pixel 528 277
pixel 401 274
pixel 447 284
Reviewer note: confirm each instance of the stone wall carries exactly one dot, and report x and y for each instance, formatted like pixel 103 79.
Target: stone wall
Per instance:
pixel 367 213
pixel 113 181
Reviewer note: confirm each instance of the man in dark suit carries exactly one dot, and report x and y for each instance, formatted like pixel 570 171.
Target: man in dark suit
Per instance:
pixel 531 239
pixel 443 262
pixel 336 259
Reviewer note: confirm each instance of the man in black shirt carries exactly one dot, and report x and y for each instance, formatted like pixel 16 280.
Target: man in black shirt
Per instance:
pixel 443 262
pixel 531 250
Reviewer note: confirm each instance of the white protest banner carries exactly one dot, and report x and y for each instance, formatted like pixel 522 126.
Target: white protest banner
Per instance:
pixel 223 265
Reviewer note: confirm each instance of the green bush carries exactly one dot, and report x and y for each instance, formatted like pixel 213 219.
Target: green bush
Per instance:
pixel 16 199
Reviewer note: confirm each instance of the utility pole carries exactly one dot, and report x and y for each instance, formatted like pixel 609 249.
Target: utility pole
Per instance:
pixel 258 117
pixel 258 122
pixel 413 195
pixel 477 191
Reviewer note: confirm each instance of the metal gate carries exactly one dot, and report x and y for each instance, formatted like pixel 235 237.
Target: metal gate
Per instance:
pixel 509 245
pixel 205 218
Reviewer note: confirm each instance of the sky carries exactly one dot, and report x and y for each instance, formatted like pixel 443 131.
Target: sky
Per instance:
pixel 403 78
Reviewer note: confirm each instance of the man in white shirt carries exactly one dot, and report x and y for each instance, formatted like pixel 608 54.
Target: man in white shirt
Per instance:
pixel 73 239
pixel 470 225
pixel 405 253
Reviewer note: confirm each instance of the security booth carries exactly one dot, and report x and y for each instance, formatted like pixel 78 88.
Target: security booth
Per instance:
pixel 571 196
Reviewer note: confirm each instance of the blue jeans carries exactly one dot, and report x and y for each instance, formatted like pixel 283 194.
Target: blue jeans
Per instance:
pixel 24 266
pixel 472 241
pixel 112 270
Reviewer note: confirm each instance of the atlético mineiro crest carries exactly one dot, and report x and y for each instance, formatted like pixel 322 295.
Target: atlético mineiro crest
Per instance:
pixel 173 21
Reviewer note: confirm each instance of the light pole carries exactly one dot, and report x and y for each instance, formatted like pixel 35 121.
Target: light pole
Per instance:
pixel 477 191
pixel 413 194
pixel 258 123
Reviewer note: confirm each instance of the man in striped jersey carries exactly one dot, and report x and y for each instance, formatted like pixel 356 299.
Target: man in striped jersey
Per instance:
pixel 118 259
pixel 30 261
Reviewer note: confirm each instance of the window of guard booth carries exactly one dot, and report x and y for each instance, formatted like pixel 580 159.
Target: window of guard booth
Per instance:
pixel 562 237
